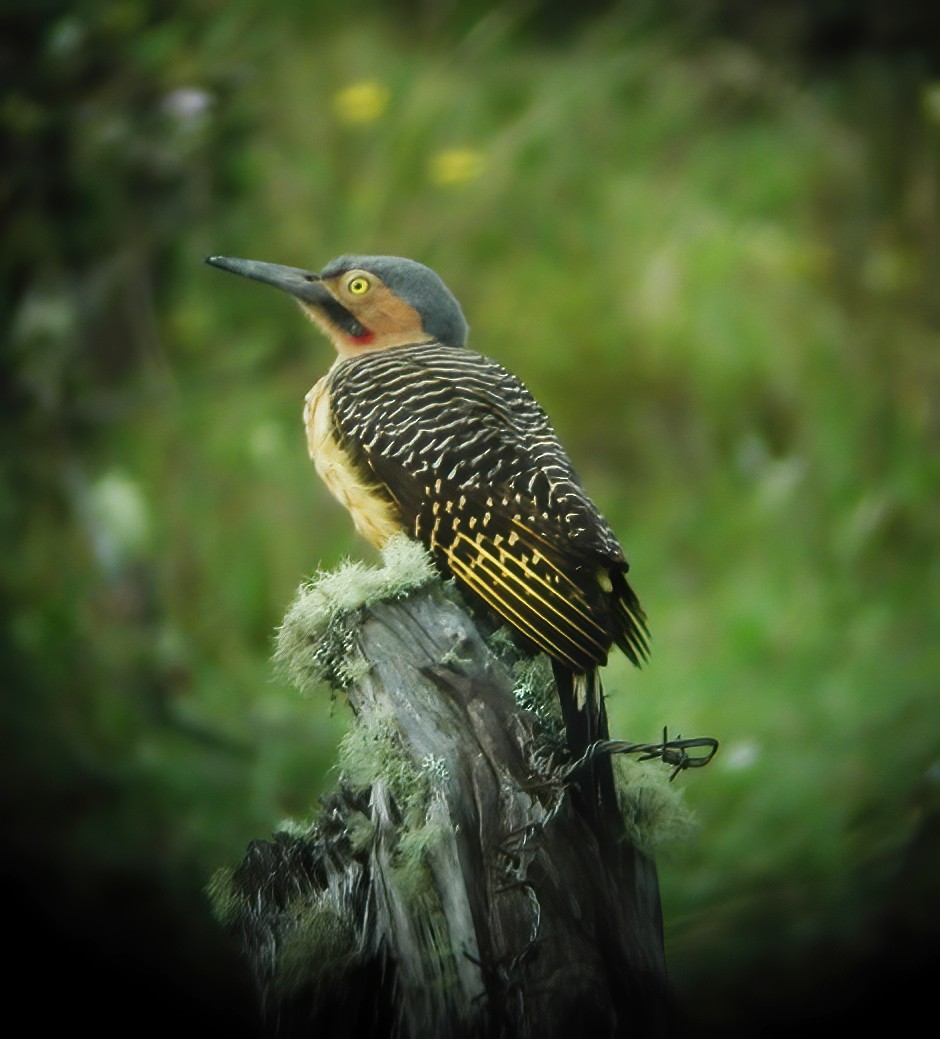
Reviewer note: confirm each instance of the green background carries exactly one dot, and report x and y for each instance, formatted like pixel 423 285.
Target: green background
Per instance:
pixel 706 235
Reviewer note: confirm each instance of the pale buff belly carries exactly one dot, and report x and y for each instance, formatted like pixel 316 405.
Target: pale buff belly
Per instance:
pixel 374 518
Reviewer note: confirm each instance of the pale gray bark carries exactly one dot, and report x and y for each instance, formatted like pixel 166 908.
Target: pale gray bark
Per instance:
pixel 450 886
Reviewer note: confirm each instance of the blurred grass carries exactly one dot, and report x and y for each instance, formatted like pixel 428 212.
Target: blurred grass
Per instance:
pixel 717 273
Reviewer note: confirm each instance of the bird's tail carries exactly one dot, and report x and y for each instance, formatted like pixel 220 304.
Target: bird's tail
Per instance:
pixel 582 707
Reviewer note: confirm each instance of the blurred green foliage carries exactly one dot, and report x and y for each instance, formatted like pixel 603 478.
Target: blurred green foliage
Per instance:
pixel 709 241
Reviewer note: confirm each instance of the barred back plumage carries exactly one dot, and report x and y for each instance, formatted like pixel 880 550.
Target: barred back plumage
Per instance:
pixel 477 474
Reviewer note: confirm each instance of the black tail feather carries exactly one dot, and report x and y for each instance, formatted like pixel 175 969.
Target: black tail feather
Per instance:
pixel 585 717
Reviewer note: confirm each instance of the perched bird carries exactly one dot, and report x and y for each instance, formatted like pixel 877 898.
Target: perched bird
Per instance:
pixel 412 431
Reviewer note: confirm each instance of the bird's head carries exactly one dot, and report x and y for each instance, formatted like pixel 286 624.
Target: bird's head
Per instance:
pixel 365 303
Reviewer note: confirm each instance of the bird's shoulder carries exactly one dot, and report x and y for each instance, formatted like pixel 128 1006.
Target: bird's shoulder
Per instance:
pixel 438 376
pixel 437 421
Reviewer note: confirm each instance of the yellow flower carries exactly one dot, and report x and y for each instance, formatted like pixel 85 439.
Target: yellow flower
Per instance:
pixel 455 166
pixel 361 102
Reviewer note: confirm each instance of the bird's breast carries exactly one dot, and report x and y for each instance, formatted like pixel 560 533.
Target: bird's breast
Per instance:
pixel 374 516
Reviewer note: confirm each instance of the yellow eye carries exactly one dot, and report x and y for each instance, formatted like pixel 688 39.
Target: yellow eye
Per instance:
pixel 359 285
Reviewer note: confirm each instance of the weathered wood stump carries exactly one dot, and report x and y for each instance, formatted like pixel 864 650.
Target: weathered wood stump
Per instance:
pixel 449 886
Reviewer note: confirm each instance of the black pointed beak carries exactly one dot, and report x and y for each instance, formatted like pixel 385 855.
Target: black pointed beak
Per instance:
pixel 305 285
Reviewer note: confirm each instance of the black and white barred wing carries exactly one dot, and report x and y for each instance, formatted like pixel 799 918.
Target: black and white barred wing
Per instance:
pixel 479 477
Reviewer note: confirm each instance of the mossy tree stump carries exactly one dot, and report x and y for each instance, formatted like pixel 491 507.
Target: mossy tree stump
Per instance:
pixel 449 886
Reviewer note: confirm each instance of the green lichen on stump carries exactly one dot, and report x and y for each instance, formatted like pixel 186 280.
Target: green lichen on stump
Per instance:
pixel 449 851
pixel 316 641
pixel 316 645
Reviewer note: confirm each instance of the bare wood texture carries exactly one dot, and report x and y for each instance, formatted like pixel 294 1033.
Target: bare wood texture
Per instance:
pixel 450 886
